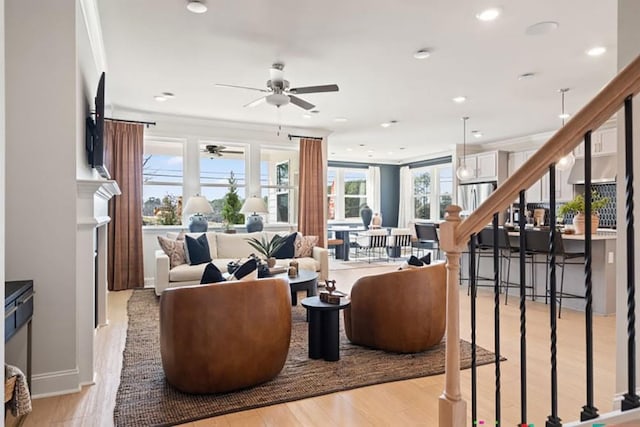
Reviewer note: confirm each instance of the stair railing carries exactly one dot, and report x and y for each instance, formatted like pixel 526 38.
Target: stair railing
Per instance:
pixel 455 235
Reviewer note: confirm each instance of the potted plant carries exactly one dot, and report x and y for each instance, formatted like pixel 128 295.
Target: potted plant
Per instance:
pixel 267 247
pixel 577 205
pixel 231 208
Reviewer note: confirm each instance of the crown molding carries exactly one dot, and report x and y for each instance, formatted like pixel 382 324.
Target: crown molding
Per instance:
pixel 91 17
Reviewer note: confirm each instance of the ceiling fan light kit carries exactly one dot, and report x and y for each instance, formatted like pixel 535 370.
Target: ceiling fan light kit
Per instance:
pixel 279 92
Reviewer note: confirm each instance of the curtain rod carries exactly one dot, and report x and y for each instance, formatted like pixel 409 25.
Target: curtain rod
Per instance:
pixel 131 121
pixel 302 136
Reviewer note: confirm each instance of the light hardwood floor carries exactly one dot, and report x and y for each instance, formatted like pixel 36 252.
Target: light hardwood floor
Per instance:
pixel 412 402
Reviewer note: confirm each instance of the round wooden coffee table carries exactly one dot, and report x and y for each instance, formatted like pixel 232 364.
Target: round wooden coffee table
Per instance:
pixel 324 328
pixel 305 281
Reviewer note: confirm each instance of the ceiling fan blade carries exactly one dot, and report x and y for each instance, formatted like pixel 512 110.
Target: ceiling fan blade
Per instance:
pixel 314 89
pixel 232 152
pixel 240 87
pixel 255 102
pixel 301 102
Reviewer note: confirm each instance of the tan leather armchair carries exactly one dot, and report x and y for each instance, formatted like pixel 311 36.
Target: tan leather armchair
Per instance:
pixel 224 336
pixel 401 311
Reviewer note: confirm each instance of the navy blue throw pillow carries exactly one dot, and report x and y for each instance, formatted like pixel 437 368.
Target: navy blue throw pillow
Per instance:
pixel 426 259
pixel 287 250
pixel 211 275
pixel 415 261
pixel 246 268
pixel 197 249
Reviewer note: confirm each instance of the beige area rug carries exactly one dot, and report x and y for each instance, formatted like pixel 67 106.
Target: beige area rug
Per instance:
pixel 144 398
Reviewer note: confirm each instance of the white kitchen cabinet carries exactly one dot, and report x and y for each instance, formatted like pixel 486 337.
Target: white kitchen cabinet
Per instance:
pixel 604 141
pixel 533 193
pixel 486 166
pixel 564 190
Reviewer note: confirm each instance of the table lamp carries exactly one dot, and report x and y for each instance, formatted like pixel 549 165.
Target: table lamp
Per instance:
pixel 197 206
pixel 254 205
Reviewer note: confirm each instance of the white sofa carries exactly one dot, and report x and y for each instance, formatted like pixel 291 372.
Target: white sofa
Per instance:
pixel 225 248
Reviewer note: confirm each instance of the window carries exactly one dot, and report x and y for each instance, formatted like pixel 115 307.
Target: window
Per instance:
pixel 278 180
pixel 432 191
pixel 346 192
pixel 162 176
pixel 215 175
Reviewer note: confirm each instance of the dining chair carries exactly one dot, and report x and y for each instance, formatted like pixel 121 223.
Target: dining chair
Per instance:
pixel 373 242
pixel 426 238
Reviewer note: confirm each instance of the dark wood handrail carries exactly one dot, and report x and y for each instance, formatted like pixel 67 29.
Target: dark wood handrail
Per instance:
pixel 603 106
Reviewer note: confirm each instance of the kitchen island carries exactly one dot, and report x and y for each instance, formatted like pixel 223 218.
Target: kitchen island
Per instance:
pixel 603 264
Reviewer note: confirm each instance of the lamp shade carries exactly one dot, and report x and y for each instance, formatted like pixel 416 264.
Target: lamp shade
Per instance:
pixel 197 205
pixel 254 205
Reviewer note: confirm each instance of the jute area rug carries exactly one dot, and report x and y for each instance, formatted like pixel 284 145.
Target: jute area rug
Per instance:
pixel 144 397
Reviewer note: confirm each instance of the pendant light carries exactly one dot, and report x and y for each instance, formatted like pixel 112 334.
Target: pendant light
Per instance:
pixel 463 172
pixel 566 162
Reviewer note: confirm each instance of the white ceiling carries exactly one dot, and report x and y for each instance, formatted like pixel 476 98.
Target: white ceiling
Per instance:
pixel 366 47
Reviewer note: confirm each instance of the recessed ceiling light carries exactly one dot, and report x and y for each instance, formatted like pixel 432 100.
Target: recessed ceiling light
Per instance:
pixel 196 6
pixel 369 151
pixel 389 152
pixel 340 119
pixel 160 98
pixel 459 99
pixel 361 145
pixel 540 28
pixel 489 14
pixel 476 133
pixel 422 54
pixel 385 124
pixel 564 116
pixel 596 51
pixel 402 148
pixel 315 111
pixel 306 116
pixel 349 149
pixel 526 76
pixel 168 95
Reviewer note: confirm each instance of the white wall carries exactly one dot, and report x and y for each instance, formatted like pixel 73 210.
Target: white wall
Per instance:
pixel 628 49
pixel 2 163
pixel 41 141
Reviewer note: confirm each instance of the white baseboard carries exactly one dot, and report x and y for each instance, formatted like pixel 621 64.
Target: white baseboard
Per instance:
pixel 55 383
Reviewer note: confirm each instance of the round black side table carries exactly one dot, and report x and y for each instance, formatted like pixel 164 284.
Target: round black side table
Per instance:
pixel 324 328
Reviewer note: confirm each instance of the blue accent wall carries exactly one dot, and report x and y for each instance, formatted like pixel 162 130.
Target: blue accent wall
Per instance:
pixel 390 184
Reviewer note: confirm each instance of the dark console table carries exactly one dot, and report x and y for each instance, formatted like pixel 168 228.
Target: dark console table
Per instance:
pixel 18 311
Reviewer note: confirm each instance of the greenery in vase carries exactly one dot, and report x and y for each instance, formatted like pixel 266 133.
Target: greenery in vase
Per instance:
pixel 265 246
pixel 232 205
pixel 577 204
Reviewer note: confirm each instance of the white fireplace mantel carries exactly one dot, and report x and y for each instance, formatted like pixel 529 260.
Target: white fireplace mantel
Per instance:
pixel 92 211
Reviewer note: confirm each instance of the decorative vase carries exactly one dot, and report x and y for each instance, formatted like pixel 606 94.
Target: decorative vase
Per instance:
pixel 271 262
pixel 579 219
pixel 366 213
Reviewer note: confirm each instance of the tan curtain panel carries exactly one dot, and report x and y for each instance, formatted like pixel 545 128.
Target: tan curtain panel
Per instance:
pixel 311 203
pixel 123 158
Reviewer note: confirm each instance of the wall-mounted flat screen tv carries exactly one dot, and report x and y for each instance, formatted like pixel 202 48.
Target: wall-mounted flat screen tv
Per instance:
pixel 95 133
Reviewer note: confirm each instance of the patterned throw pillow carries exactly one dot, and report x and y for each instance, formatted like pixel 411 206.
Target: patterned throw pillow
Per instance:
pixel 304 245
pixel 174 249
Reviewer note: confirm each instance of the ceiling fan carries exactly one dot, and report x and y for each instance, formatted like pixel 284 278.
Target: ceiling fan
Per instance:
pixel 279 92
pixel 218 150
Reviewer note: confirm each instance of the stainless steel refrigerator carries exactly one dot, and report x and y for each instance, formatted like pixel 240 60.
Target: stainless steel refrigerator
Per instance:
pixel 470 196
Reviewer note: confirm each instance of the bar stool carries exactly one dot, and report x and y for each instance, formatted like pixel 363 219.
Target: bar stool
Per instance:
pixel 537 243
